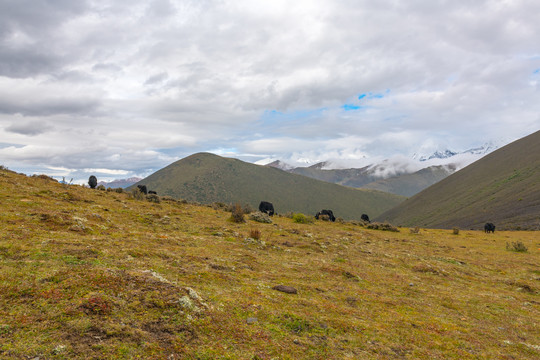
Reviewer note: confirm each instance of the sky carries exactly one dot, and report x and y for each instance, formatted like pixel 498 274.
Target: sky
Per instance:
pixel 118 88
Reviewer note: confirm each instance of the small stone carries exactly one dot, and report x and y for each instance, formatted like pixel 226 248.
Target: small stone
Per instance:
pixel 411 284
pixel 285 289
pixel 251 320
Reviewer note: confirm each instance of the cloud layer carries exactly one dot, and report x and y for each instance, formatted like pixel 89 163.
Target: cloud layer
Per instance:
pixel 129 87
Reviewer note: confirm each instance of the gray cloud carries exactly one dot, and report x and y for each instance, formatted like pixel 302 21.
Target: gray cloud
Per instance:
pixel 301 81
pixel 30 128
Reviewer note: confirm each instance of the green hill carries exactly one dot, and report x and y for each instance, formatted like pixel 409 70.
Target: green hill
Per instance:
pixel 208 178
pixel 503 188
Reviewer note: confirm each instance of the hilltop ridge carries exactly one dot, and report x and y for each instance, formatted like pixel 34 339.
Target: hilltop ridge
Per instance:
pixel 207 178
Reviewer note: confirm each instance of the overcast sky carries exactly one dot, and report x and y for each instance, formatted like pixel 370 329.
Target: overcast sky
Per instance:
pixel 118 88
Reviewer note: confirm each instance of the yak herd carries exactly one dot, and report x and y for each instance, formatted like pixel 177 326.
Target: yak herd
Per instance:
pixel 268 207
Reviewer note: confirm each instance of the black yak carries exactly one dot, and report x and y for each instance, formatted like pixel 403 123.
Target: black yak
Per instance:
pixel 489 228
pixel 266 207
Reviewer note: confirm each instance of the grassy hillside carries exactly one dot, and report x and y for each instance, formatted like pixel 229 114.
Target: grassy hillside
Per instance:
pixel 347 177
pixel 503 188
pixel 364 178
pixel 410 184
pixel 89 274
pixel 208 178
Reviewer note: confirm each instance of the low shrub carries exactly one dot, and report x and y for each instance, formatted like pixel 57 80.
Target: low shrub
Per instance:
pixel 101 187
pixel 517 246
pixel 288 214
pixel 383 227
pixel 302 219
pixel 153 198
pixel 237 214
pixel 455 231
pixel 137 194
pixel 415 230
pixel 255 234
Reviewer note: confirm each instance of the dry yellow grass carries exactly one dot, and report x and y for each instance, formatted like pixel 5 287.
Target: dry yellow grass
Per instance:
pixel 89 274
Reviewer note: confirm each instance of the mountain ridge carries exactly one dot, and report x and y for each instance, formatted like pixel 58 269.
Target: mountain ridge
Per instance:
pixel 208 178
pixel 503 187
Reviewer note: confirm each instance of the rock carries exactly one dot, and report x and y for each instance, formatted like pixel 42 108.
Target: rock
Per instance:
pixel 251 320
pixel 260 217
pixel 285 289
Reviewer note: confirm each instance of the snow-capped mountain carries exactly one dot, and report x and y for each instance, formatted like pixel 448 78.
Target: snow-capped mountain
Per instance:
pixel 278 164
pixel 439 155
pixel 122 183
pixel 399 174
pixel 446 154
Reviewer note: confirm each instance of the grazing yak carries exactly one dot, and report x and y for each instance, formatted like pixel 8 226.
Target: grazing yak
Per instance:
pixel 266 207
pixel 152 192
pixel 489 228
pixel 92 181
pixel 328 213
pixel 365 218
pixel 143 189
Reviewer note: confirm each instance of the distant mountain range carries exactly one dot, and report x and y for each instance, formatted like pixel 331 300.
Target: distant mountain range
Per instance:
pixel 446 154
pixel 503 188
pixel 208 178
pixel 402 176
pixel 120 183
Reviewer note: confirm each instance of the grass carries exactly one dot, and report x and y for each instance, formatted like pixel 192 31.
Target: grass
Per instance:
pixel 89 274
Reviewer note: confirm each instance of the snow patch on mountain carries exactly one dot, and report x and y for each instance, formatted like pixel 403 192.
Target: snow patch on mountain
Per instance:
pixel 396 165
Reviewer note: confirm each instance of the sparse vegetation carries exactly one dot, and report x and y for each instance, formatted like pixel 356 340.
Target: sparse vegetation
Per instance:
pixel 153 198
pixel 137 194
pixel 382 226
pixel 516 246
pixel 237 214
pixel 255 233
pixel 96 275
pixel 302 219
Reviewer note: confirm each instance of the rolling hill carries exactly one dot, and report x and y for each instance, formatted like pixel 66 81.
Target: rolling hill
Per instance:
pixel 208 178
pixel 502 187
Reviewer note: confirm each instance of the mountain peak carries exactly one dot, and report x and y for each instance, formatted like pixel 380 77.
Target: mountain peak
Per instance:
pixel 278 164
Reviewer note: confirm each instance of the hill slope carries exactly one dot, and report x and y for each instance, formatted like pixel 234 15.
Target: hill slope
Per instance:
pixel 402 183
pixel 503 188
pixel 410 184
pixel 89 274
pixel 208 178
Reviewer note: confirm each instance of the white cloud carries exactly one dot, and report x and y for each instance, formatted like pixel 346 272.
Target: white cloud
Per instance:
pixel 133 86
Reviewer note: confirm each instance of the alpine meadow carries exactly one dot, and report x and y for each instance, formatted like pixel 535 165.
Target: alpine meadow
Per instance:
pixel 109 274
pixel 269 180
